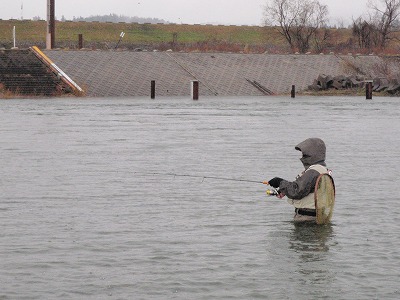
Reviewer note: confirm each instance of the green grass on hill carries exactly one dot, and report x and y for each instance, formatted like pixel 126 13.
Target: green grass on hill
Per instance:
pixel 136 33
pixel 35 31
pixel 160 36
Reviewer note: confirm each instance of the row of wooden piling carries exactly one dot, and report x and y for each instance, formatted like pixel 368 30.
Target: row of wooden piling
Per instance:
pixel 194 90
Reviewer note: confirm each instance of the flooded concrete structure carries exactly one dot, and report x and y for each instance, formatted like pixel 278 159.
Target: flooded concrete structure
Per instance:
pixel 23 73
pixel 124 73
pixel 136 74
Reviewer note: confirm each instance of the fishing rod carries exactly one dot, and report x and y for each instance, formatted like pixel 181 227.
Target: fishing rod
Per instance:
pixel 269 192
pixel 202 176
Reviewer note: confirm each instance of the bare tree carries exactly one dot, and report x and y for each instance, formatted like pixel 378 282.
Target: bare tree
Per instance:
pixel 365 32
pixel 298 20
pixel 321 39
pixel 385 17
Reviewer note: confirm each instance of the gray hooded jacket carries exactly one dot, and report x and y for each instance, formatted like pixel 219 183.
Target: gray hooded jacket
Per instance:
pixel 314 151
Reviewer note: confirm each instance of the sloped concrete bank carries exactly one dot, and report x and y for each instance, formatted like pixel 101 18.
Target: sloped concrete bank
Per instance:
pixel 126 73
pixel 23 73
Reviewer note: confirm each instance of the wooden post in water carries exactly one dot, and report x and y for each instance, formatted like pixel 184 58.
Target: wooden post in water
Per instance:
pixel 80 41
pixel 153 89
pixel 293 91
pixel 195 90
pixel 368 89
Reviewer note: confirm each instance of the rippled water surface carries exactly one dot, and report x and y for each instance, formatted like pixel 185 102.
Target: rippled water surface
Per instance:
pixel 88 210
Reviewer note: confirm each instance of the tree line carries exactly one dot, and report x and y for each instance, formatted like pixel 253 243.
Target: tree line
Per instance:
pixel 304 23
pixel 113 18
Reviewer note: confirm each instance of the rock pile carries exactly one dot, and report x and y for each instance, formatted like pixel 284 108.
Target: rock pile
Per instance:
pixel 386 85
pixel 326 82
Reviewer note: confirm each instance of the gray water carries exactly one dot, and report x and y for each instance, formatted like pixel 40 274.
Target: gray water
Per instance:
pixel 87 210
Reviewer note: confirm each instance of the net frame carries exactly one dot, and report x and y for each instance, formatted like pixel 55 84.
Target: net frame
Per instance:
pixel 324 196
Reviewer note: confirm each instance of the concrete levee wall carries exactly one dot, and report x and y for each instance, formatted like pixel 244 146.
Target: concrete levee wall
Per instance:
pixel 22 72
pixel 124 73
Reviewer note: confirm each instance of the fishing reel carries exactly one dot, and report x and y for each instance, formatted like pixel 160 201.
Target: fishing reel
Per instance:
pixel 272 192
pixel 275 192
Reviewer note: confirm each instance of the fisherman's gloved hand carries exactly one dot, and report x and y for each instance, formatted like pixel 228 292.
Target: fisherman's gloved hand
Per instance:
pixel 275 182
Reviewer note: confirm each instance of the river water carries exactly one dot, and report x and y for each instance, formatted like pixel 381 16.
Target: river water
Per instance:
pixel 88 210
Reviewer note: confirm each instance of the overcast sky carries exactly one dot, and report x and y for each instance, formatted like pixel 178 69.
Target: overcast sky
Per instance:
pixel 227 12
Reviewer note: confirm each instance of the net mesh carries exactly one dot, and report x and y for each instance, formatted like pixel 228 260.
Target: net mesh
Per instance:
pixel 324 198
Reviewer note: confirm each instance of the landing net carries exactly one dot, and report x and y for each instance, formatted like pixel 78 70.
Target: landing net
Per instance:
pixel 324 198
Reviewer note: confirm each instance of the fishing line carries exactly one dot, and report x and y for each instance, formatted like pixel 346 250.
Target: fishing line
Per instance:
pixel 269 192
pixel 201 176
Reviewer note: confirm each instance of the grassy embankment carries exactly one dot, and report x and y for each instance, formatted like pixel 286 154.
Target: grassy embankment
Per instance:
pixel 247 39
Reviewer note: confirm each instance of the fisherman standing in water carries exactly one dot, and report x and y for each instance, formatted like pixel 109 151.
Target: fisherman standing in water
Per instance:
pixel 301 191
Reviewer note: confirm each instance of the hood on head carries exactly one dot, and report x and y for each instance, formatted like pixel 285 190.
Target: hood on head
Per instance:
pixel 313 150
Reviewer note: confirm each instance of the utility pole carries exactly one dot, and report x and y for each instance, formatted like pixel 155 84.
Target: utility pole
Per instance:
pixel 51 24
